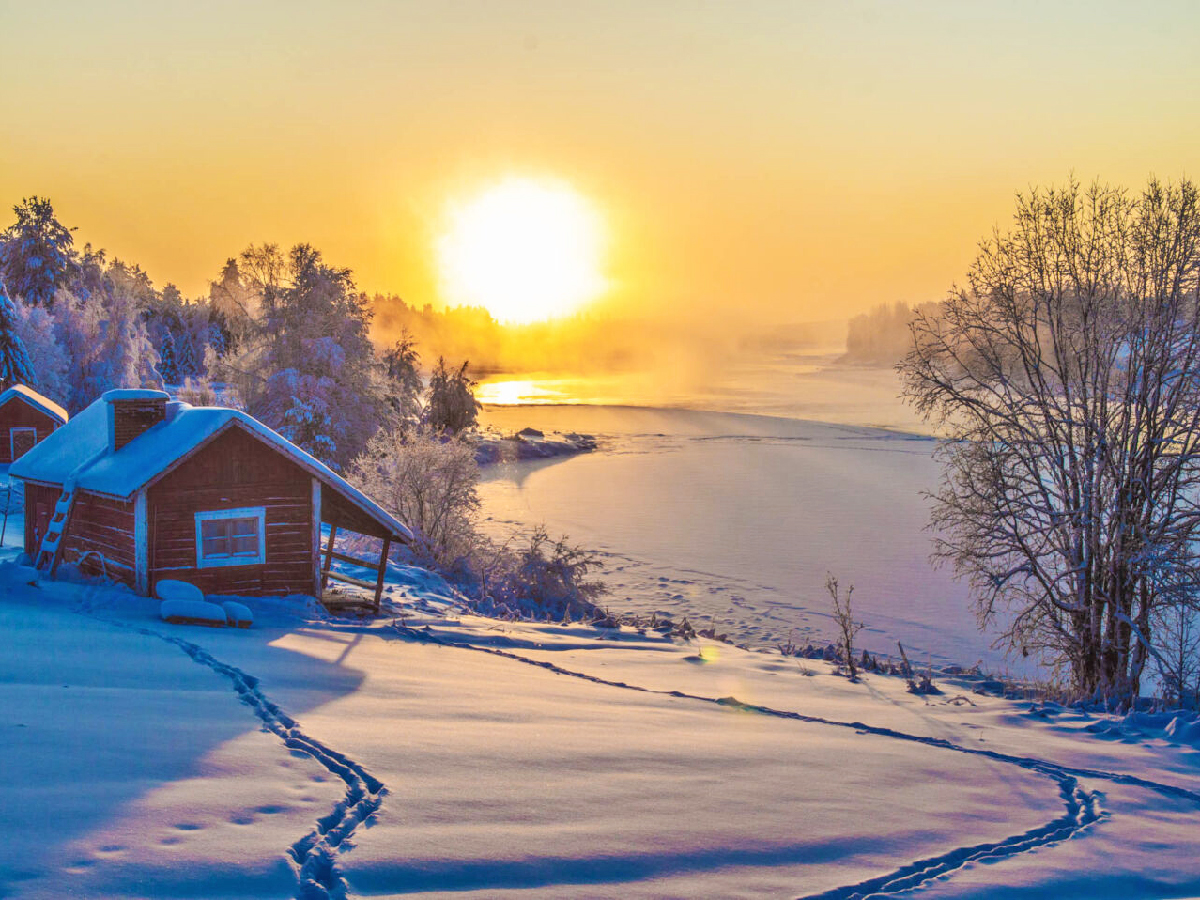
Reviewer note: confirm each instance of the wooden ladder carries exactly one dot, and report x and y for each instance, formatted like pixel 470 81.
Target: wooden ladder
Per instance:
pixel 50 550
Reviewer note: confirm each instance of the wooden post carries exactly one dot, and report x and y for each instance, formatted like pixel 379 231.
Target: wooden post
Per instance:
pixel 316 537
pixel 141 542
pixel 328 558
pixel 383 559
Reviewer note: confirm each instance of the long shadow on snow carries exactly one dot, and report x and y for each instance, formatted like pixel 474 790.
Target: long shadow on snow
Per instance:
pixel 93 734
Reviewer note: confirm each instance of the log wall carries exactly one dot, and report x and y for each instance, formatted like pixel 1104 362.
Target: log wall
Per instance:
pixel 16 413
pixel 234 470
pixel 103 525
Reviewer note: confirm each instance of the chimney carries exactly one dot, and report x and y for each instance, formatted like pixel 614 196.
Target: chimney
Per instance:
pixel 131 412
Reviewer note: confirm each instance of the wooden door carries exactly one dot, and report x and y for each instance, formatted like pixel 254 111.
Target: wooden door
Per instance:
pixel 21 441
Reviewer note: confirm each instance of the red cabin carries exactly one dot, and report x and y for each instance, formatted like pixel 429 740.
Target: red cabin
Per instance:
pixel 147 489
pixel 26 419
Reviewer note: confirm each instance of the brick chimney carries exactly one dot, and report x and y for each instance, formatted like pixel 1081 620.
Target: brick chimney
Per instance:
pixel 131 412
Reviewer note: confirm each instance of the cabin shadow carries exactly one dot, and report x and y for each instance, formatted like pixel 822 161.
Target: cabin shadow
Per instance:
pixel 106 714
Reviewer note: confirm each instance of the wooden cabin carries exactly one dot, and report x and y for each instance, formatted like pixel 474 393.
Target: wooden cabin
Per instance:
pixel 144 489
pixel 26 419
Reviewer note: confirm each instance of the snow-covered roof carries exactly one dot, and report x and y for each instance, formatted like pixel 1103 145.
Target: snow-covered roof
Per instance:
pixel 78 453
pixel 134 394
pixel 34 399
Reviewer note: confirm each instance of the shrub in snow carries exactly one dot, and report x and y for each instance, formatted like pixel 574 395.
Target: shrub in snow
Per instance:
pixel 545 578
pixel 199 612
pixel 848 628
pixel 237 614
pixel 169 589
pixel 430 484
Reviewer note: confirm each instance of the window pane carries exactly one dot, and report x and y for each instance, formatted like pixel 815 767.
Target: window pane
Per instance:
pixel 212 528
pixel 231 541
pixel 246 546
pixel 244 527
pixel 216 546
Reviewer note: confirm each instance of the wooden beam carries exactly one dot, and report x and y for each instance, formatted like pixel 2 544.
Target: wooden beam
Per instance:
pixel 383 560
pixel 347 579
pixel 325 573
pixel 347 558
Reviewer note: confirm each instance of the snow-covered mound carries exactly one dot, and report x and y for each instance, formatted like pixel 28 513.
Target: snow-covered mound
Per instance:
pixel 237 614
pixel 170 589
pixel 198 612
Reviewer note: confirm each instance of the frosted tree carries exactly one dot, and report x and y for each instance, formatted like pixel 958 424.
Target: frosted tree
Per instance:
pixel 15 367
pixel 36 253
pixel 186 365
pixel 106 340
pixel 308 340
pixel 127 358
pixel 450 403
pixel 1065 377
pixel 216 341
pixel 167 366
pixel 38 332
pixel 401 364
pixel 430 484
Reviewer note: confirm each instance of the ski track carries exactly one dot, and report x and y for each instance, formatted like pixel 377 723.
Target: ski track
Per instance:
pixel 1082 807
pixel 314 856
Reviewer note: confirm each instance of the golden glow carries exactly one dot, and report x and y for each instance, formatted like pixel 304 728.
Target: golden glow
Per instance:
pixel 503 391
pixel 525 250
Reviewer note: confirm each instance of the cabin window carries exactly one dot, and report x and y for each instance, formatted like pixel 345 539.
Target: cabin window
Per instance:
pixel 231 537
pixel 21 440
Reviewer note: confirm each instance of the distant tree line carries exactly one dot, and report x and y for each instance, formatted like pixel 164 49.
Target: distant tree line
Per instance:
pixel 882 336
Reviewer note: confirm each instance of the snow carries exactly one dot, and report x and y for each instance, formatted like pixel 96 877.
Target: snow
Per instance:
pixel 36 400
pixel 116 395
pixel 433 753
pixel 191 611
pixel 237 614
pixel 79 452
pixel 170 589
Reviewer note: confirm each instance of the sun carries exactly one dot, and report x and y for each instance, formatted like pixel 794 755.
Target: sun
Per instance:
pixel 525 249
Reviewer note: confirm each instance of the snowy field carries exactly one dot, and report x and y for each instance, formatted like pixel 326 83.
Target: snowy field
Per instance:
pixel 442 755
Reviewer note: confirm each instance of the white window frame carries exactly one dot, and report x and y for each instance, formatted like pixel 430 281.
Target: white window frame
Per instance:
pixel 245 512
pixel 12 443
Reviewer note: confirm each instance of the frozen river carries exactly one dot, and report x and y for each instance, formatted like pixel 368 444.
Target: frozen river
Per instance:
pixel 734 519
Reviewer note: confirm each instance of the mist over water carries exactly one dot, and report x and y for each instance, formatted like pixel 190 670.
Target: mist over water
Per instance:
pixel 727 500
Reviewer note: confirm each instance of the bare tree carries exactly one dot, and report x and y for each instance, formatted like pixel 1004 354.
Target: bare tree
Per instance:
pixel 1065 380
pixel 843 615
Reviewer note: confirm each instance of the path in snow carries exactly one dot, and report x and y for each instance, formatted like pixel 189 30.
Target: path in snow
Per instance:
pixel 314 856
pixel 1082 807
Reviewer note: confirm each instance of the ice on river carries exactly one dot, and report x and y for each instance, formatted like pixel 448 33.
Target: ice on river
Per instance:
pixel 736 520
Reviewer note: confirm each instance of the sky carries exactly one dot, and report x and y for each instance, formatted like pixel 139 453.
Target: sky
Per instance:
pixel 778 161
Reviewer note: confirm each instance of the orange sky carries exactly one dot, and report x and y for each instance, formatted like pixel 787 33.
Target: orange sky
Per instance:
pixel 795 160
